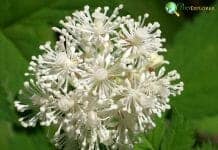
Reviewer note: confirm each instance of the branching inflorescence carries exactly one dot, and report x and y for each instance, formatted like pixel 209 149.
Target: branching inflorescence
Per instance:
pixel 100 83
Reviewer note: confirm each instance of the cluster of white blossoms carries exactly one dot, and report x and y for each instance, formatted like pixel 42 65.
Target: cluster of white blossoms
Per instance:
pixel 102 83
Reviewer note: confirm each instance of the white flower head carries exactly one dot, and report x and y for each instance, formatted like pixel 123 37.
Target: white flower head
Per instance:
pixel 138 39
pixel 99 83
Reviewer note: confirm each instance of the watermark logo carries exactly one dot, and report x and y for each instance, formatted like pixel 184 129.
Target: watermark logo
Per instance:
pixel 173 8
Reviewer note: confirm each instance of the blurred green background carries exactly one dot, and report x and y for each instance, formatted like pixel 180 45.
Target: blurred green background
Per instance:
pixel 192 43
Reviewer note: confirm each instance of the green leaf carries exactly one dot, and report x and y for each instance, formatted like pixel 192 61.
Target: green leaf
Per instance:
pixel 152 140
pixel 146 145
pixel 156 135
pixel 12 66
pixel 175 133
pixel 178 135
pixel 13 10
pixel 10 139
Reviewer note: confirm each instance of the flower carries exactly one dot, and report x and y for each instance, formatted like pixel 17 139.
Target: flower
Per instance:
pixel 58 66
pixel 100 83
pixel 101 75
pixel 139 40
pixel 87 124
pixel 92 30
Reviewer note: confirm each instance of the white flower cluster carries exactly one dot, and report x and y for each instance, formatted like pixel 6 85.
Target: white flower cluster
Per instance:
pixel 99 84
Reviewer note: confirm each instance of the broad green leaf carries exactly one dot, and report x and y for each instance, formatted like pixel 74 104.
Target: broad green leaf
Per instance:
pixel 10 140
pixel 13 10
pixel 12 66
